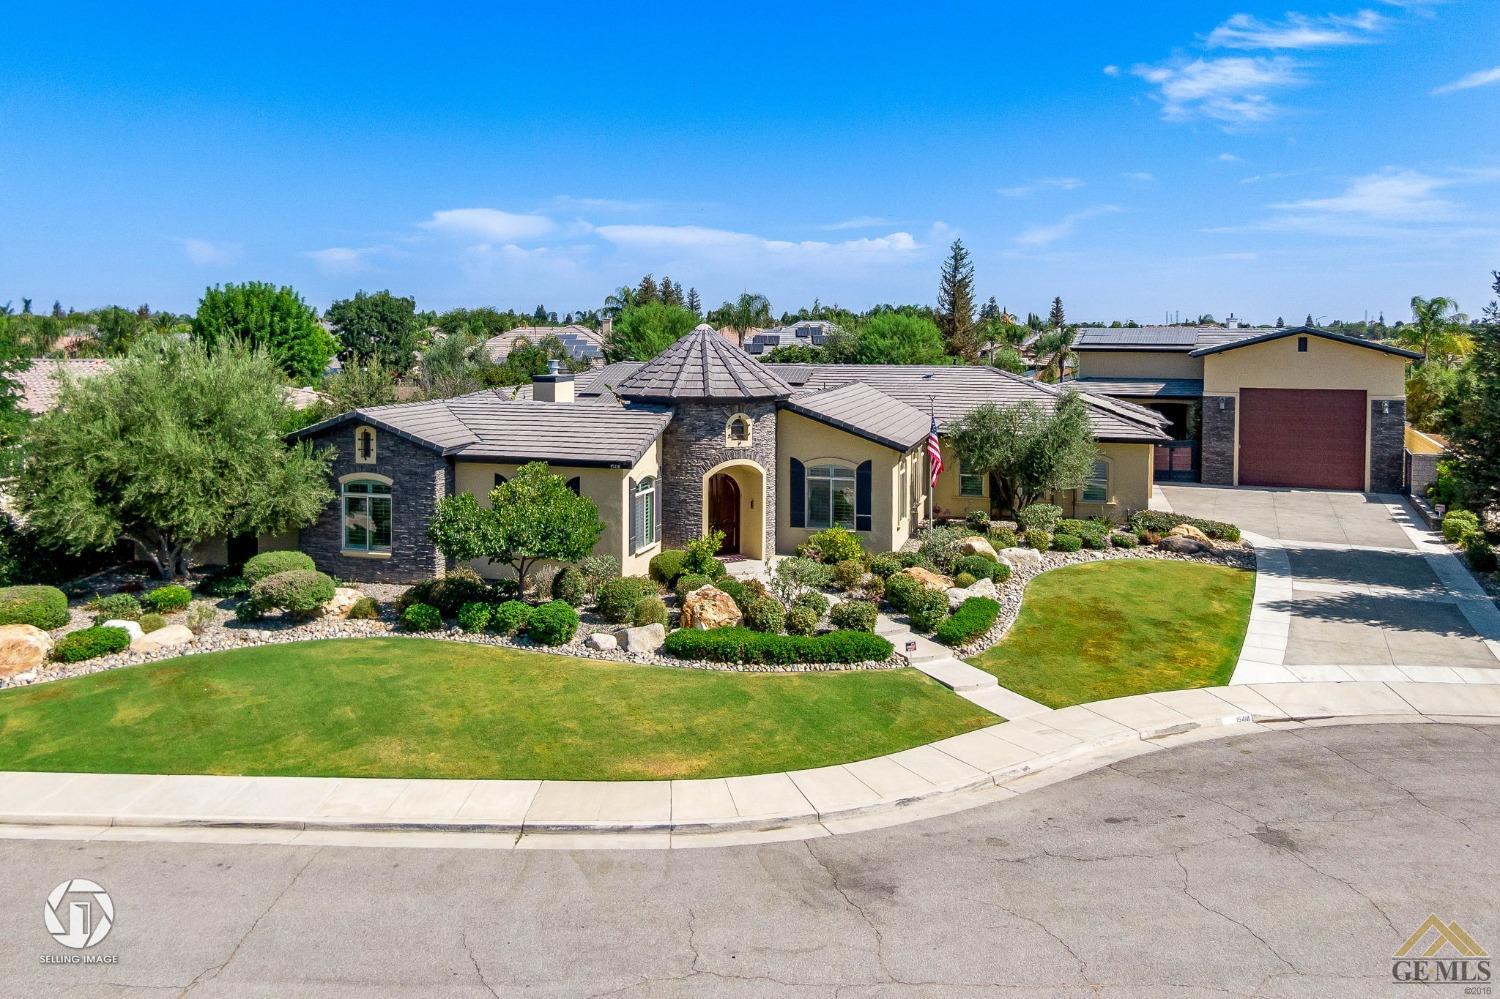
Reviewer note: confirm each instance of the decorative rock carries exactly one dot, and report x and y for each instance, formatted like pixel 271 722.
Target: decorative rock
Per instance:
pixel 601 641
pixel 162 638
pixel 709 607
pixel 1182 545
pixel 977 546
pixel 1017 557
pixel 344 598
pixel 132 628
pixel 928 578
pixel 23 647
pixel 1189 531
pixel 645 639
pixel 984 588
pixel 956 596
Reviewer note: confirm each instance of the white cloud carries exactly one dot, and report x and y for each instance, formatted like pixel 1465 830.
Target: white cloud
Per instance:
pixel 1479 78
pixel 601 204
pixel 1298 31
pixel 858 222
pixel 1232 90
pixel 1390 195
pixel 1045 183
pixel 489 224
pixel 1140 175
pixel 702 239
pixel 343 259
pixel 1043 235
pixel 1111 70
pixel 1227 158
pixel 207 252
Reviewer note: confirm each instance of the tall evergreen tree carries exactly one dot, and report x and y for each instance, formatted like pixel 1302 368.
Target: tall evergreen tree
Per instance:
pixel 1057 319
pixel 1476 438
pixel 1309 320
pixel 955 303
pixel 670 294
pixel 989 310
pixel 693 304
pixel 647 291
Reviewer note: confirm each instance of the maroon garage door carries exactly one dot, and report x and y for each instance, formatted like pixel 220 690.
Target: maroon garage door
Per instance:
pixel 1313 438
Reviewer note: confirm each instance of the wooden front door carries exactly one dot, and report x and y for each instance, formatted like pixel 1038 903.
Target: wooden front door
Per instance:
pixel 724 511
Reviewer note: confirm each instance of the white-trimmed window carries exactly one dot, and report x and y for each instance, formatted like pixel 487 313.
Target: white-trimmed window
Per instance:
pixel 644 510
pixel 737 431
pixel 1096 486
pixel 970 483
pixel 830 497
pixel 367 515
pixel 364 446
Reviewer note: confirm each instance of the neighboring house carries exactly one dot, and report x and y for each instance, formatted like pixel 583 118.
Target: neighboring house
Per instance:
pixel 582 343
pixel 702 438
pixel 1297 407
pixel 808 333
pixel 41 382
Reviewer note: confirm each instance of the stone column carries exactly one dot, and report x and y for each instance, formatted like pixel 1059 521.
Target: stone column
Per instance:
pixel 1218 440
pixel 1387 445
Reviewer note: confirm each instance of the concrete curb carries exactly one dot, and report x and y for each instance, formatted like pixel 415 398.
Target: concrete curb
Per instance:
pixel 961 772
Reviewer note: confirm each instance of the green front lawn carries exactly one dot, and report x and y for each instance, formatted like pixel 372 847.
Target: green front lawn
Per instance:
pixel 1127 626
pixel 403 707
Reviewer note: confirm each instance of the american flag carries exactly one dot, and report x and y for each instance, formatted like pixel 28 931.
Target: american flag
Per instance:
pixel 934 454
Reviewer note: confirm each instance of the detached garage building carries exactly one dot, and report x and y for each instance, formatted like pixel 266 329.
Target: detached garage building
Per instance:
pixel 1299 408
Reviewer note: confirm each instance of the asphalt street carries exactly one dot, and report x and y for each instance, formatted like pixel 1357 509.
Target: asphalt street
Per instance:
pixel 1293 863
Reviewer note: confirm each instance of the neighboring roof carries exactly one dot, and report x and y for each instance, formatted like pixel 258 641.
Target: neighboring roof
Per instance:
pixel 809 332
pixel 595 384
pixel 583 344
pixel 482 426
pixel 1141 388
pixel 949 391
pixel 1352 341
pixel 1170 339
pixel 703 366
pixel 867 412
pixel 42 380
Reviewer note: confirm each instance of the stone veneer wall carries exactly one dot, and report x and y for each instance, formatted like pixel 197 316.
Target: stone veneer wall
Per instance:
pixel 419 478
pixel 693 444
pixel 1217 457
pixel 1387 445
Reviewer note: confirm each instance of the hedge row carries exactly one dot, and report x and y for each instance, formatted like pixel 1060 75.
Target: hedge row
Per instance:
pixel 974 617
pixel 741 645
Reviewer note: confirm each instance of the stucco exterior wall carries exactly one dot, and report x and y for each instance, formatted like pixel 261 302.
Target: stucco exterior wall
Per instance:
pixel 1138 364
pixel 1327 364
pixel 1132 472
pixel 945 496
pixel 815 443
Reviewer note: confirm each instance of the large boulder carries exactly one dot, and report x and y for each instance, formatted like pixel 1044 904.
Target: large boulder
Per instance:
pixel 23 647
pixel 131 628
pixel 601 641
pixel 344 599
pixel 981 588
pixel 931 580
pixel 1017 557
pixel 1182 545
pixel 645 639
pixel 1189 531
pixel 977 546
pixel 709 607
pixel 164 637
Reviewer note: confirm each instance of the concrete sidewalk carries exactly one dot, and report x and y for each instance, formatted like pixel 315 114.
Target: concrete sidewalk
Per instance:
pixel 945 776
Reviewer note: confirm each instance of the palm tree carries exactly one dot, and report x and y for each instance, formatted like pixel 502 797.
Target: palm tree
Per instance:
pixel 624 297
pixel 750 309
pixel 1436 330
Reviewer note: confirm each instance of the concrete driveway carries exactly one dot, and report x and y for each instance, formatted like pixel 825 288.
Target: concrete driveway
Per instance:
pixel 1352 588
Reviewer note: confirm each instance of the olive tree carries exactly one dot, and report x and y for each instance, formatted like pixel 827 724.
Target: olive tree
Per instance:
pixel 1028 451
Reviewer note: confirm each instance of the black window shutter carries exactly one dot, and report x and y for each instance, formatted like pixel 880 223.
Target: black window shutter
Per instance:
pixel 864 519
pixel 799 494
pixel 635 526
pixel 499 479
pixel 575 484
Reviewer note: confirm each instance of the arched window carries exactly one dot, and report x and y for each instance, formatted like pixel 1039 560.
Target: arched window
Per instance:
pixel 364 446
pixel 737 431
pixel 500 480
pixel 367 515
pixel 643 523
pixel 830 497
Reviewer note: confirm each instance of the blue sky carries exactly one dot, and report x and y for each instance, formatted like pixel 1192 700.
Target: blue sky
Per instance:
pixel 1203 157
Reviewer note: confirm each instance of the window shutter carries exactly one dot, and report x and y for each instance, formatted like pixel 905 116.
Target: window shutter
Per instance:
pixel 656 499
pixel 575 485
pixel 798 517
pixel 864 519
pixel 499 479
pixel 635 520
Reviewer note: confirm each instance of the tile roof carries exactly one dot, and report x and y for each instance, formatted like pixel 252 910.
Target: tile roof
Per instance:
pixel 950 391
pixel 702 365
pixel 42 380
pixel 483 426
pixel 583 344
pixel 1183 339
pixel 1177 388
pixel 595 384
pixel 867 412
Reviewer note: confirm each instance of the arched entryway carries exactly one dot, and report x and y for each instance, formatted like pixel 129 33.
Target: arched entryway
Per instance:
pixel 734 501
pixel 724 511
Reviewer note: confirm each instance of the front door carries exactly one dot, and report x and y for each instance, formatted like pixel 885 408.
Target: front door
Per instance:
pixel 724 511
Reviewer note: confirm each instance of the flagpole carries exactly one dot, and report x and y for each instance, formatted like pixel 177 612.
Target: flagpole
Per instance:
pixel 931 485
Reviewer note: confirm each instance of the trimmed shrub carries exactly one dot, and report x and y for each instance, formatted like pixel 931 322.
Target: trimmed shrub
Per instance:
pixel 977 521
pixel 1159 522
pixel 1479 553
pixel 837 544
pixel 617 597
pixel 766 614
pixel 224 583
pixel 978 566
pixel 448 592
pixel 199 618
pixel 853 615
pixel 569 586
pixel 974 617
pixel 1000 573
pixel 1039 517
pixel 270 563
pixel 297 591
pixel 964 580
pixel 44 607
pixel 1003 537
pixel 848 574
pixel 649 610
pixel 690 581
pixel 365 609
pixel 1124 540
pixel 1093 533
pixel 666 566
pixel 909 560
pixel 166 599
pixel 738 591
pixel 421 617
pixel 474 616
pixel 899 589
pixel 1066 543
pixel 115 607
pixel 89 643
pixel 152 622
pixel 814 601
pixel 801 621
pixel 792 576
pixel 248 610
pixel 553 623
pixel 1040 540
pixel 510 617
pixel 940 546
pixel 742 645
pixel 1457 525
pixel 886 565
pixel 926 608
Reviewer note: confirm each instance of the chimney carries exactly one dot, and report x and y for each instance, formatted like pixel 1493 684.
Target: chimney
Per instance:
pixel 555 386
pixel 1232 322
pixel 606 327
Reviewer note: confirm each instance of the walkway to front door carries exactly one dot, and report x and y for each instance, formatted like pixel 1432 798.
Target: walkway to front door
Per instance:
pixel 724 511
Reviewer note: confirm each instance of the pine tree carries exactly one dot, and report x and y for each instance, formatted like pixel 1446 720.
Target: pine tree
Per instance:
pixel 990 309
pixel 539 317
pixel 1056 319
pixel 647 291
pixel 57 309
pixel 1280 323
pixel 955 304
pixel 693 305
pixel 1308 321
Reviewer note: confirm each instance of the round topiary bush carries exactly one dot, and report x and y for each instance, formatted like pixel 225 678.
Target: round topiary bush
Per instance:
pixel 649 610
pixel 1067 543
pixel 690 581
pixel 853 615
pixel 1040 540
pixel 886 565
pixel 766 614
pixel 964 580
pixel 1459 524
pixel 666 566
pixel 570 586
pixel 166 599
pixel 421 617
pixel 898 590
pixel 474 616
pixel 115 607
pixel 926 609
pixel 801 621
pixel 299 592
pixel 978 566
pixel 152 622
pixel 1124 540
pixel 44 607
pixel 510 617
pixel 848 574
pixel 552 623
pixel 365 609
pixel 1002 538
pixel 836 544
pixel 617 597
pixel 813 601
pixel 90 643
pixel 270 563
pixel 448 592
